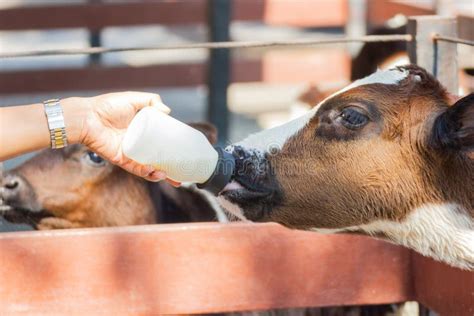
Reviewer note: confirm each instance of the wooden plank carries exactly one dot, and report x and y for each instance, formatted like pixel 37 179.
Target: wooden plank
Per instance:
pixel 306 13
pixel 379 11
pixel 275 67
pixel 195 268
pixel 466 27
pixel 100 15
pixel 314 66
pixel 101 78
pixel 444 289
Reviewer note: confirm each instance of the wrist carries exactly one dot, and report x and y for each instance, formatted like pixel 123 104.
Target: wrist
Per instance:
pixel 76 111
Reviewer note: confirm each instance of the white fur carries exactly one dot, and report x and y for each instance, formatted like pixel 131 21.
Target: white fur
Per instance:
pixel 442 231
pixel 210 198
pixel 402 60
pixel 232 209
pixel 390 76
pixel 276 137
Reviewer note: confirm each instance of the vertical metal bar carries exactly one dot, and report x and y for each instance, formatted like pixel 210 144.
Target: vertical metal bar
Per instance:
pixel 219 67
pixel 439 58
pixel 95 41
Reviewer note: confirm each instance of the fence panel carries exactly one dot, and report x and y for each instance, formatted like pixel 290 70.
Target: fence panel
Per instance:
pixel 195 268
pixel 440 59
pixel 443 289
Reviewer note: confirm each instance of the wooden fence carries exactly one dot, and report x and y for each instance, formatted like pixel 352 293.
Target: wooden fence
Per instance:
pixel 208 268
pixel 96 16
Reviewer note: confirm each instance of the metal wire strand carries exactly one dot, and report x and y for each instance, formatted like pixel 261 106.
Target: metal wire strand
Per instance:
pixel 211 45
pixel 455 40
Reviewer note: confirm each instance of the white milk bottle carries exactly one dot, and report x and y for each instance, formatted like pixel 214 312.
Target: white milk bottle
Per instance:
pixel 184 153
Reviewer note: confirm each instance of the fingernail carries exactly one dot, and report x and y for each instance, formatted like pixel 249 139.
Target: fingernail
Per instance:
pixel 160 106
pixel 156 176
pixel 148 170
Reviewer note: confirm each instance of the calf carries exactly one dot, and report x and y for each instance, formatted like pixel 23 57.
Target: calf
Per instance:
pixel 74 187
pixel 388 156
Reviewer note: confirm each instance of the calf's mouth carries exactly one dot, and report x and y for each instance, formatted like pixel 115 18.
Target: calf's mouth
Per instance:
pixel 18 203
pixel 254 188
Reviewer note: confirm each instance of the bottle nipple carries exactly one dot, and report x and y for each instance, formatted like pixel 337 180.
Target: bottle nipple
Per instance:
pixel 222 174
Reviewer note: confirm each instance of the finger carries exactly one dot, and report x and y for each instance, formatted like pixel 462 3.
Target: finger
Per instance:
pixel 155 176
pixel 176 184
pixel 132 166
pixel 143 99
pixel 161 106
pixel 137 169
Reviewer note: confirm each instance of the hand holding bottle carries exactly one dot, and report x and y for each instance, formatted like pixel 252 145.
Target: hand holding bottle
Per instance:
pixel 105 123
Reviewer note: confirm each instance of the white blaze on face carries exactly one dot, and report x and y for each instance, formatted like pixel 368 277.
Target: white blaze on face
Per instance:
pixel 276 137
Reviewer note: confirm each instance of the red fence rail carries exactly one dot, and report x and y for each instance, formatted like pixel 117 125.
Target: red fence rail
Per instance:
pixel 100 15
pixel 273 68
pixel 210 267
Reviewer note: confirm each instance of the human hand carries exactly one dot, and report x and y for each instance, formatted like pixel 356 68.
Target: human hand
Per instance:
pixel 100 123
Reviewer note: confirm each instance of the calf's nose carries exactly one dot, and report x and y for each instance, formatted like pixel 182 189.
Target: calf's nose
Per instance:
pixel 250 165
pixel 10 186
pixel 17 192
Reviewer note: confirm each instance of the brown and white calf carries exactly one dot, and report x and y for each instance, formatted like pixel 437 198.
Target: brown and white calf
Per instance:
pixel 74 187
pixel 389 156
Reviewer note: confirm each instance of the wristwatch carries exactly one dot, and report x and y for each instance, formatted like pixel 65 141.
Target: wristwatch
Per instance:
pixel 57 127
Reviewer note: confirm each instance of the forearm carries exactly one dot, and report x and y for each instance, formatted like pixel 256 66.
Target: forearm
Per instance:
pixel 24 128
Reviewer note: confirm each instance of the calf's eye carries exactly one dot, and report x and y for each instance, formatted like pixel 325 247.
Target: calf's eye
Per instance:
pixel 94 159
pixel 352 118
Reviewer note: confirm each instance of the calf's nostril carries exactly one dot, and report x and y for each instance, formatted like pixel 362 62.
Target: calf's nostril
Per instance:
pixel 12 184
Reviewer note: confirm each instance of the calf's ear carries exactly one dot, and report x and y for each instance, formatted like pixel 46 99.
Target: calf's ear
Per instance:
pixel 454 128
pixel 209 130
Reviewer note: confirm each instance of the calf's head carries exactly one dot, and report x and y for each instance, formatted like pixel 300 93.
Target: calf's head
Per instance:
pixel 77 186
pixel 388 156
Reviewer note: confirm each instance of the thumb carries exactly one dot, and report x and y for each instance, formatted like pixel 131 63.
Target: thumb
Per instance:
pixel 139 100
pixel 161 106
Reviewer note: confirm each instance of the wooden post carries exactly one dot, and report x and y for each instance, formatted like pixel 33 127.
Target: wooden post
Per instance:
pixel 356 24
pixel 439 58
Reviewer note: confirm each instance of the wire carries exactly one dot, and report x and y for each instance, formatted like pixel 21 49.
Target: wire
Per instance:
pixel 210 45
pixel 455 40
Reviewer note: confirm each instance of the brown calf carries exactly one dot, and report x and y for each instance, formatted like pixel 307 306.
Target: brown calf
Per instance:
pixel 388 156
pixel 74 187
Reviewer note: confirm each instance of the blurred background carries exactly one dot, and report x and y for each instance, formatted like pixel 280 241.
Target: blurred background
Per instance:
pixel 242 90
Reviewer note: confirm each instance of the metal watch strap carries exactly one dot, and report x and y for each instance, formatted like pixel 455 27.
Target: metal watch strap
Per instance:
pixel 57 127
